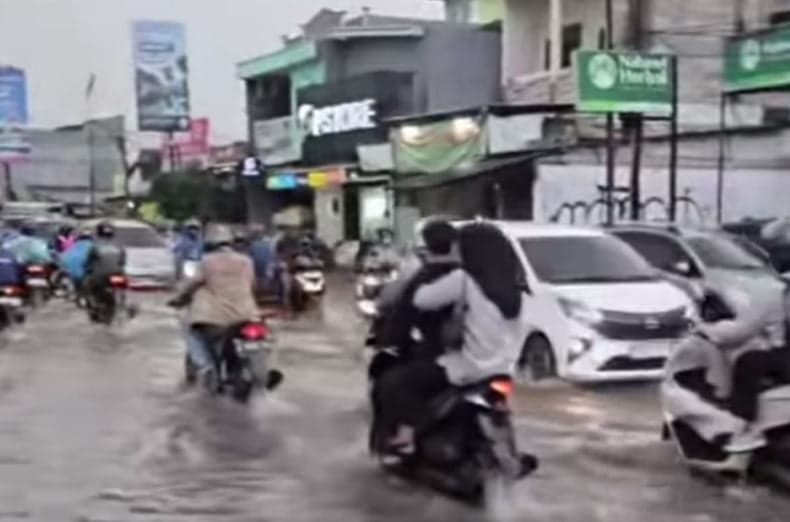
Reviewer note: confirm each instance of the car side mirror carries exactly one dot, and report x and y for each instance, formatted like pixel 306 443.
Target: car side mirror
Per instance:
pixel 523 286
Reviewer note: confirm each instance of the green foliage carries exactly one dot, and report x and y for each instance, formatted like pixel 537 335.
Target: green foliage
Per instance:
pixel 179 194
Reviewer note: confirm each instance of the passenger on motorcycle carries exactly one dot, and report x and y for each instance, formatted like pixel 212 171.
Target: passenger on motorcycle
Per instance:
pixel 715 376
pixel 74 261
pixel 487 300
pixel 105 258
pixel 29 249
pixel 221 296
pixel 65 239
pixel 263 259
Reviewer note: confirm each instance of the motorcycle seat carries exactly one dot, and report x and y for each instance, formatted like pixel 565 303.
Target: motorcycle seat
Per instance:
pixel 779 393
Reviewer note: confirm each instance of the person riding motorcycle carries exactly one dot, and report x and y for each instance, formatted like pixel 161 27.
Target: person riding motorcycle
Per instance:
pixel 486 300
pixel 65 238
pixel 220 296
pixel 29 249
pixel 74 260
pixel 105 258
pixel 714 376
pixel 188 246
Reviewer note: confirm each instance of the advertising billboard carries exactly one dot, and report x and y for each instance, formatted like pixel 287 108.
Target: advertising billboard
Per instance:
pixel 755 61
pixel 14 143
pixel 161 76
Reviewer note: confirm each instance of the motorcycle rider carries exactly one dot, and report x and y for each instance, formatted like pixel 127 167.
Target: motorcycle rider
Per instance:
pixel 29 249
pixel 74 260
pixel 188 246
pixel 262 255
pixel 221 296
pixel 713 376
pixel 65 238
pixel 105 258
pixel 486 299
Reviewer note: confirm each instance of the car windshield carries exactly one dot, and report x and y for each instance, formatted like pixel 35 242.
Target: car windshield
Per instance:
pixel 139 237
pixel 719 251
pixel 585 259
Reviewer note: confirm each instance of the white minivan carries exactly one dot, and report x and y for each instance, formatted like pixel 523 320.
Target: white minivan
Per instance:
pixel 598 311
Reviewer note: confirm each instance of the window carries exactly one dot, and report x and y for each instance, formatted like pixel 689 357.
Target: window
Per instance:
pixel 571 40
pixel 585 259
pixel 722 252
pixel 779 18
pixel 662 252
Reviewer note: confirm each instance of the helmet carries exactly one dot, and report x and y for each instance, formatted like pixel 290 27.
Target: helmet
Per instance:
pixel 65 230
pixel 218 235
pixel 26 229
pixel 192 223
pixel 105 229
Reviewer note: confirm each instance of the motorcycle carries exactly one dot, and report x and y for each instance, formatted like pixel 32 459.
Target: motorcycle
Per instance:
pixel 368 288
pixel 469 444
pixel 241 356
pixel 771 462
pixel 11 305
pixel 308 281
pixel 37 282
pixel 108 302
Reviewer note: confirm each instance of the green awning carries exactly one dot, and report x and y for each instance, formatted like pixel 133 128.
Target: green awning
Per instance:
pixel 418 181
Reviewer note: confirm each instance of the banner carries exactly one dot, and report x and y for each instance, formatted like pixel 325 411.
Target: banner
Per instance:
pixel 190 146
pixel 757 60
pixel 624 82
pixel 438 147
pixel 161 75
pixel 14 144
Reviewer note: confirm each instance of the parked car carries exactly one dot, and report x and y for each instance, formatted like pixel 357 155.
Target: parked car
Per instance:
pixel 704 260
pixel 772 236
pixel 150 263
pixel 598 311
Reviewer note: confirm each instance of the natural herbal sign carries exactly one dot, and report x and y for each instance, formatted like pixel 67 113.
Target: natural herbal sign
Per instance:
pixel 757 61
pixel 623 82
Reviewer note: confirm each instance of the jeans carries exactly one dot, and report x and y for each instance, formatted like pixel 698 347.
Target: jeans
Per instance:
pixel 197 349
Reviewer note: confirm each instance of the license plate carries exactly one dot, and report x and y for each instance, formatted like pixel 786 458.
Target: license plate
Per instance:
pixel 251 346
pixel 37 283
pixel 651 350
pixel 10 301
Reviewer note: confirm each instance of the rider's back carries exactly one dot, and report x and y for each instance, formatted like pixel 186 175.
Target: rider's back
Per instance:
pixel 225 297
pixel 106 258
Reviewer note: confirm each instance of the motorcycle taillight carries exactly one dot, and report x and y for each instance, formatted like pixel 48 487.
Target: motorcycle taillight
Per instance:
pixel 35 269
pixel 12 290
pixel 118 281
pixel 254 331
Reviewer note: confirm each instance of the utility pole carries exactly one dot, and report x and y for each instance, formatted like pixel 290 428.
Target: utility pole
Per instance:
pixel 555 47
pixel 89 130
pixel 635 33
pixel 610 145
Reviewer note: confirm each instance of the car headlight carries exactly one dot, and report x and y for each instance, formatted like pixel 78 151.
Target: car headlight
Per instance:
pixel 580 311
pixel 578 347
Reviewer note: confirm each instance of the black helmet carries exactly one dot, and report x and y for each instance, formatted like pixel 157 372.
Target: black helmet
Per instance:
pixel 105 229
pixel 27 229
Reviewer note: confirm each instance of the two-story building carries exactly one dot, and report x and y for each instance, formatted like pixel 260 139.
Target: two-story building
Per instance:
pixel 319 106
pixel 539 38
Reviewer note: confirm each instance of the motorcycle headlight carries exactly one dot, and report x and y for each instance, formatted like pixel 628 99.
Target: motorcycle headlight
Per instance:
pixel 580 311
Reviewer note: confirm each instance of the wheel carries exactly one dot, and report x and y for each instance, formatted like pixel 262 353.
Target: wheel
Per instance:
pixel 537 360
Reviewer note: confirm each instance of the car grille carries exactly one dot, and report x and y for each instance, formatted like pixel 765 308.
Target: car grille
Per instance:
pixel 635 326
pixel 625 364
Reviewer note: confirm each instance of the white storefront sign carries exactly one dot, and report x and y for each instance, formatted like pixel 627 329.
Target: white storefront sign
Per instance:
pixel 336 119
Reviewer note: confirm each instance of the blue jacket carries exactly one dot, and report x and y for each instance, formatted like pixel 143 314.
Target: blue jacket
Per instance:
pixel 188 247
pixel 11 272
pixel 74 260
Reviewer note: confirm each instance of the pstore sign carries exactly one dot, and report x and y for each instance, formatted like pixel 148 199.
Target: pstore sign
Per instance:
pixel 336 119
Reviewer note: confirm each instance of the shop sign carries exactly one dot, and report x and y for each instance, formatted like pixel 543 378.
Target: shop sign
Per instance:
pixel 277 140
pixel 608 81
pixel 344 117
pixel 14 142
pixel 314 179
pixel 757 60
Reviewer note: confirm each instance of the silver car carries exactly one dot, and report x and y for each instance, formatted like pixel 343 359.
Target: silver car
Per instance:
pixel 699 260
pixel 150 263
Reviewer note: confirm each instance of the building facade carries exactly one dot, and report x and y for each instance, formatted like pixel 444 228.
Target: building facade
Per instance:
pixel 319 110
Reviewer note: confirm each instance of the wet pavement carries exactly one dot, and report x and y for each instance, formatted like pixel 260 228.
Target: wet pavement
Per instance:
pixel 96 426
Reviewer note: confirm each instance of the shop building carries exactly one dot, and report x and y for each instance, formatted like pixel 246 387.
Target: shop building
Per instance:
pixel 319 110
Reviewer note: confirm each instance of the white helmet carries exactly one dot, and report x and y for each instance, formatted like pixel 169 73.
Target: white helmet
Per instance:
pixel 218 235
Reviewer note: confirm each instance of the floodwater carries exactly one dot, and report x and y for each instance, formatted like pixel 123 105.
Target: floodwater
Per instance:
pixel 96 425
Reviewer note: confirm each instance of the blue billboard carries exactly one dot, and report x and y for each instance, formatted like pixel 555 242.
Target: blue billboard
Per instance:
pixel 13 114
pixel 161 76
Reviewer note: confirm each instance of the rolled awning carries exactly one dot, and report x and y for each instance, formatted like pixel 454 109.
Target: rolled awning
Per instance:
pixel 418 181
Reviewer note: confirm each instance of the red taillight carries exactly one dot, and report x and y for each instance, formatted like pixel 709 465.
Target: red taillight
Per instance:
pixel 35 269
pixel 12 290
pixel 502 386
pixel 253 331
pixel 118 281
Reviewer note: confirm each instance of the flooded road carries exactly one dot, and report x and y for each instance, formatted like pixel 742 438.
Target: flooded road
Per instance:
pixel 95 425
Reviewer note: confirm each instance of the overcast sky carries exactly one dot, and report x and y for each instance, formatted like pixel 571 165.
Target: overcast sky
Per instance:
pixel 60 43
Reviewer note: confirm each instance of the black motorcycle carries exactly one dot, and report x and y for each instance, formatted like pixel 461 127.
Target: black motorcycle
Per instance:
pixel 107 303
pixel 241 355
pixel 468 445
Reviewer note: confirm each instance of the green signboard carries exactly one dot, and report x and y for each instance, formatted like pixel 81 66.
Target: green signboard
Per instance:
pixel 758 60
pixel 614 81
